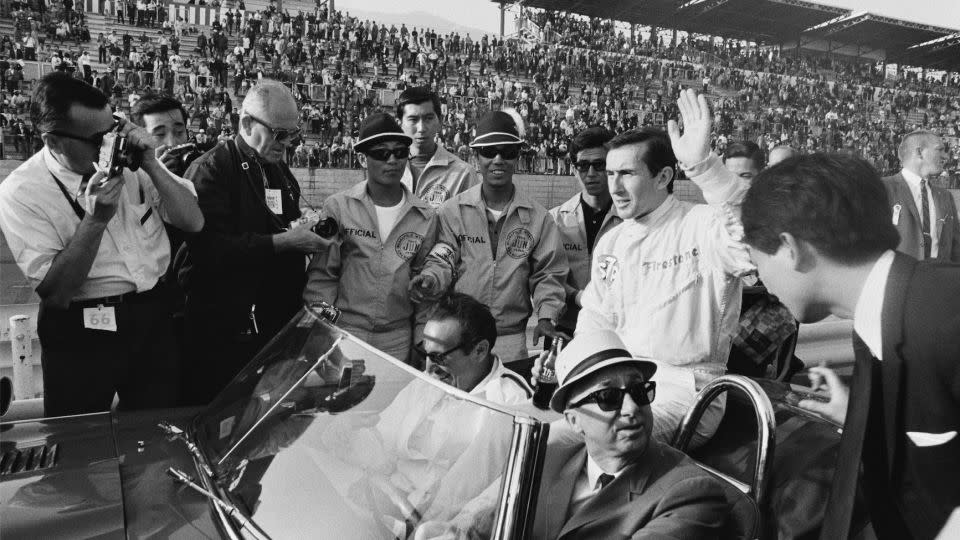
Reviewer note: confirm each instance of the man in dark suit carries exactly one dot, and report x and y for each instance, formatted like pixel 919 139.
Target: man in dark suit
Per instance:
pixel 618 481
pixel 925 215
pixel 822 241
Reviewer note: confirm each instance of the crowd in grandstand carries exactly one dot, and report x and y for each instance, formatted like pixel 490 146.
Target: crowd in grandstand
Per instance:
pixel 343 68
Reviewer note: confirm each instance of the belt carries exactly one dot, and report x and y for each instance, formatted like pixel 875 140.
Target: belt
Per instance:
pixel 132 297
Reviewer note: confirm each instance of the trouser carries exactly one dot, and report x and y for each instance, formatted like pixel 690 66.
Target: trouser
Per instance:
pixel 216 348
pixel 396 343
pixel 83 368
pixel 511 347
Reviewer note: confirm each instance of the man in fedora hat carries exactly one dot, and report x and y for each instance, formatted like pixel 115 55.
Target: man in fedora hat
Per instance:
pixel 507 248
pixel 617 482
pixel 387 234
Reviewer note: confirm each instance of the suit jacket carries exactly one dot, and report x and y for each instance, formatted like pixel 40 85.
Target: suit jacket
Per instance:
pixel 912 442
pixel 665 495
pixel 908 222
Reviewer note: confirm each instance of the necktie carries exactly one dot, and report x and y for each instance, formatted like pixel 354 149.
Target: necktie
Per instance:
pixel 925 219
pixel 604 479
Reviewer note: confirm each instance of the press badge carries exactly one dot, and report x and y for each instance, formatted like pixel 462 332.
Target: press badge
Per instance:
pixel 896 214
pixel 274 202
pixel 100 318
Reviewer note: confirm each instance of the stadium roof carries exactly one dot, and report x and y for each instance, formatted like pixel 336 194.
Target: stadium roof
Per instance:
pixel 941 53
pixel 777 21
pixel 767 20
pixel 875 31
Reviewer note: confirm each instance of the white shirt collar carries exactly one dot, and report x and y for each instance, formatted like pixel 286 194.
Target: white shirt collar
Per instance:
pixel 481 386
pixel 594 471
pixel 912 178
pixel 867 316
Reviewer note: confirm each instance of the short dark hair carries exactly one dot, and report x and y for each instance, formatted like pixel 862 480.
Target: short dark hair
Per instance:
pixel 474 317
pixel 54 95
pixel 592 137
pixel 745 149
pixel 659 153
pixel 416 95
pixel 156 103
pixel 835 202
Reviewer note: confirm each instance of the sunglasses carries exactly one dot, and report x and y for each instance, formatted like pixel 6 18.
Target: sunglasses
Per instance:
pixel 598 165
pixel 96 139
pixel 383 154
pixel 281 135
pixel 611 399
pixel 506 151
pixel 439 358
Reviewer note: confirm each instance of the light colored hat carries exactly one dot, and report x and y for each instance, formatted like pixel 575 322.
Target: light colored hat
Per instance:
pixel 588 353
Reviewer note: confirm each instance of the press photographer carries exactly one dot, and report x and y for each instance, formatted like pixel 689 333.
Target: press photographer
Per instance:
pixel 93 245
pixel 166 120
pixel 243 275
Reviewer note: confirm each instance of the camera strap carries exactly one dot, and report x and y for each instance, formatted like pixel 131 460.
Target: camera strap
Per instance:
pixel 77 209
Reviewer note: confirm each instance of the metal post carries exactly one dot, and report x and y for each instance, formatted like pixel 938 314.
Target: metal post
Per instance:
pixel 503 12
pixel 21 341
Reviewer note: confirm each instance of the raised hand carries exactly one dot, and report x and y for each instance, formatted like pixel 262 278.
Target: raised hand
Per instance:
pixel 694 145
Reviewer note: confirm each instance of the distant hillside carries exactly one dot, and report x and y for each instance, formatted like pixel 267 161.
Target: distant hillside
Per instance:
pixel 418 19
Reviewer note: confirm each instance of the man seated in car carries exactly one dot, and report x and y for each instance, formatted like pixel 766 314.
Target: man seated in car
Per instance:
pixel 619 481
pixel 429 452
pixel 457 342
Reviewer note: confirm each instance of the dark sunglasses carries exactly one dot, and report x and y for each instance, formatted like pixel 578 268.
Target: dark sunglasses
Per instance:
pixel 439 358
pixel 598 165
pixel 383 154
pixel 611 399
pixel 96 139
pixel 506 151
pixel 281 135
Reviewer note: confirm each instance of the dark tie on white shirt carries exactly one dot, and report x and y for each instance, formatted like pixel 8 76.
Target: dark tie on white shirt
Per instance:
pixel 925 219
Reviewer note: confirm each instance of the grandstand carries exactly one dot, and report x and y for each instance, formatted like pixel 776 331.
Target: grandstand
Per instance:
pixel 571 70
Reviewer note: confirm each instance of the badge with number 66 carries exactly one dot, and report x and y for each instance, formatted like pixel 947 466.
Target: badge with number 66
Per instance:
pixel 100 318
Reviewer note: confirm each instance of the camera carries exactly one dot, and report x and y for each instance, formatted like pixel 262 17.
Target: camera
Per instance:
pixel 116 155
pixel 185 154
pixel 327 227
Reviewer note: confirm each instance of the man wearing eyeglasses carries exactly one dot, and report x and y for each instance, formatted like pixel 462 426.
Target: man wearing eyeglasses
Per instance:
pixel 95 248
pixel 387 235
pixel 620 481
pixel 458 340
pixel 586 216
pixel 243 275
pixel 508 252
pixel 617 480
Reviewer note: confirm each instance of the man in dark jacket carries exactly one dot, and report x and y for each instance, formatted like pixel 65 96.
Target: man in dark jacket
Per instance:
pixel 243 275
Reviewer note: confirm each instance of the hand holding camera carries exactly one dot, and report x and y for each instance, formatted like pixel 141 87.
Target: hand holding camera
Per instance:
pixel 102 195
pixel 304 238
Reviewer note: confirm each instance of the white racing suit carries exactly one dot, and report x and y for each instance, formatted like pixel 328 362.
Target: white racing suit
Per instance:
pixel 669 285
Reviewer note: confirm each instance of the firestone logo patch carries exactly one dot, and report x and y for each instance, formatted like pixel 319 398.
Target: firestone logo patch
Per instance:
pixel 408 244
pixel 519 243
pixel 608 268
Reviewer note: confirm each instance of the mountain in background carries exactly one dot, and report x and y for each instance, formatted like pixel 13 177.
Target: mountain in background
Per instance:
pixel 418 19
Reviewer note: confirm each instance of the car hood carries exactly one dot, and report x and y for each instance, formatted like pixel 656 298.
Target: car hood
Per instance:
pixel 75 494
pixel 108 479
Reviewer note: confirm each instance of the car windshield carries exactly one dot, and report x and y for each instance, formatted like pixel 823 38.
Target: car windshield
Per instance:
pixel 320 432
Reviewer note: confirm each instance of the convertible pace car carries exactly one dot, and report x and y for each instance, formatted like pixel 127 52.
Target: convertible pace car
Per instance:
pixel 322 436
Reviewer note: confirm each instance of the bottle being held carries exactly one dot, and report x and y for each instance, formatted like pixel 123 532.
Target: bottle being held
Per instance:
pixel 547 380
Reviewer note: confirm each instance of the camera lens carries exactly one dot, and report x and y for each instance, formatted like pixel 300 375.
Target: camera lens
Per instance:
pixel 327 227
